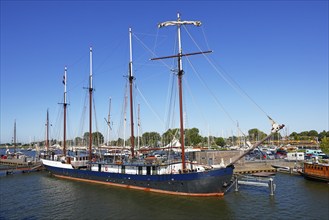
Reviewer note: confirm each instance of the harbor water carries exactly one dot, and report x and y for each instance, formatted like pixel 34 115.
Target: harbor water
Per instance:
pixel 38 195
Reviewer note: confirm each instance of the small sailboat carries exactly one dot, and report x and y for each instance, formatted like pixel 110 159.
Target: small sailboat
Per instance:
pixel 171 177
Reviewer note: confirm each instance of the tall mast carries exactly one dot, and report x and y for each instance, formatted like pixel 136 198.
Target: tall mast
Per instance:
pixel 180 73
pixel 109 123
pixel 131 78
pixel 180 92
pixel 15 136
pixel 238 131
pixel 124 121
pixel 64 105
pixel 47 132
pixel 138 126
pixel 90 102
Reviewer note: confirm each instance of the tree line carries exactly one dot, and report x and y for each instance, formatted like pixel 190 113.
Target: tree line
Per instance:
pixel 192 138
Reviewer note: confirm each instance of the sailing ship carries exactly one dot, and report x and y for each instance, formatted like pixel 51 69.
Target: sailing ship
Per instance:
pixel 175 178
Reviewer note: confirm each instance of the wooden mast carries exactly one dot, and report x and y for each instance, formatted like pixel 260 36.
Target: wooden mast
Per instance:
pixel 180 93
pixel 64 105
pixel 90 104
pixel 180 73
pixel 109 123
pixel 15 136
pixel 47 132
pixel 131 78
pixel 124 120
pixel 138 126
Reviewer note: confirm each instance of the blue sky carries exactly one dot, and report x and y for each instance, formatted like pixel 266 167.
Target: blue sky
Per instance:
pixel 275 51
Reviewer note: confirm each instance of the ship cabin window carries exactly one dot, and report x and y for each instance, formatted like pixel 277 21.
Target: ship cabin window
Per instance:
pixel 123 169
pixel 140 170
pixel 148 170
pixel 154 170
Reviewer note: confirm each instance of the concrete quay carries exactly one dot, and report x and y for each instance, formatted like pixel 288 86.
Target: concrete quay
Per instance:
pixel 263 166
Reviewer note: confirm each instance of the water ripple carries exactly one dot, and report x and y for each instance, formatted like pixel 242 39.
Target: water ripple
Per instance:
pixel 41 196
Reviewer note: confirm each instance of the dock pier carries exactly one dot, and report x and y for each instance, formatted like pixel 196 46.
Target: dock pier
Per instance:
pixel 262 180
pixel 251 167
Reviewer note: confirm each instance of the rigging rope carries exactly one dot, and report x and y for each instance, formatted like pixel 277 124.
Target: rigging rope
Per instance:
pixel 170 88
pixel 211 92
pixel 194 101
pixel 232 83
pixel 152 53
pixel 123 109
pixel 83 116
pixel 147 103
pixel 96 124
pixel 205 38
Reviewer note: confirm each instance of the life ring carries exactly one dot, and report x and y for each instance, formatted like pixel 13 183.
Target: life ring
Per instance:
pixel 106 169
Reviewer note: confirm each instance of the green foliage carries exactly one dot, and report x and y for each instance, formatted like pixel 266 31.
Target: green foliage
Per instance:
pixel 323 134
pixel 192 137
pixel 78 141
pixel 255 134
pixel 324 145
pixel 151 139
pixel 313 133
pixel 294 135
pixel 277 136
pixel 97 138
pixel 169 135
pixel 303 133
pixel 220 141
pixel 309 135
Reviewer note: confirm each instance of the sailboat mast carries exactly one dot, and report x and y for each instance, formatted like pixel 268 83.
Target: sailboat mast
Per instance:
pixel 180 92
pixel 109 123
pixel 64 105
pixel 47 132
pixel 90 103
pixel 138 126
pixel 15 136
pixel 180 73
pixel 131 78
pixel 124 121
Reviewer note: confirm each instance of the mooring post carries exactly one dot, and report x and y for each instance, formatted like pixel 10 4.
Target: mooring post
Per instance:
pixel 271 185
pixel 236 184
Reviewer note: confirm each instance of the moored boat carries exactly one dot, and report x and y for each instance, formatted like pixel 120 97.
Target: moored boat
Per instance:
pixel 317 170
pixel 171 177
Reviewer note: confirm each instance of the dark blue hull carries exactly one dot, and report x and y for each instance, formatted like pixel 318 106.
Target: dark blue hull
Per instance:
pixel 209 183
